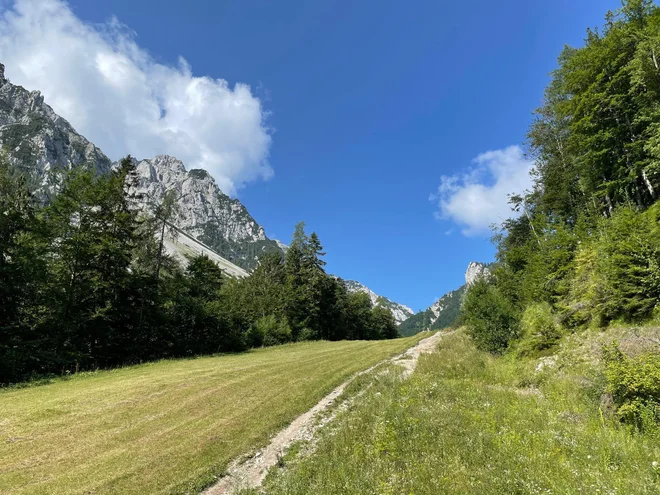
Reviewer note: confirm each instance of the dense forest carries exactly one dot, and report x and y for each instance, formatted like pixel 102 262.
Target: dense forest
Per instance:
pixel 585 250
pixel 85 283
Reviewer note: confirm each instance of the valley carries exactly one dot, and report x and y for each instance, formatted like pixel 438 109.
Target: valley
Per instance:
pixel 156 338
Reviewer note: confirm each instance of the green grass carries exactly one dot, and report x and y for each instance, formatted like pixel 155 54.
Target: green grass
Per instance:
pixel 165 427
pixel 469 423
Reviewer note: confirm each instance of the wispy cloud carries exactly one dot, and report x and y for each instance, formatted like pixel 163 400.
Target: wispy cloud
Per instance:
pixel 119 97
pixel 478 197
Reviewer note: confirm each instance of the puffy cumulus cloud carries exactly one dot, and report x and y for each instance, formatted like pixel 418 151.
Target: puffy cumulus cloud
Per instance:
pixel 113 92
pixel 479 198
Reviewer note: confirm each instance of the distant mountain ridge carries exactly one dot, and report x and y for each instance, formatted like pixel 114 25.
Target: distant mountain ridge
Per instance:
pixel 400 312
pixel 204 211
pixel 45 147
pixel 445 311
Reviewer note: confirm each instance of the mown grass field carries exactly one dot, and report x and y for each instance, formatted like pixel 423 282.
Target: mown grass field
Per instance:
pixel 166 427
pixel 469 423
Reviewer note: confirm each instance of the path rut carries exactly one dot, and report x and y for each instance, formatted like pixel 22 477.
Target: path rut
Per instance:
pixel 251 473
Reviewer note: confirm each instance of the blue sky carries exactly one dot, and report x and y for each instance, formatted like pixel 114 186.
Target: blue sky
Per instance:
pixel 367 106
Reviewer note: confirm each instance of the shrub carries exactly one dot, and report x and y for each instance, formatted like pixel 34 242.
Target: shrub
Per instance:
pixel 539 330
pixel 269 330
pixel 278 333
pixel 306 334
pixel 490 318
pixel 634 384
pixel 629 260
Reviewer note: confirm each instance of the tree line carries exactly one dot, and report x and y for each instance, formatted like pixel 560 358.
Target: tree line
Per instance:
pixel 585 249
pixel 85 283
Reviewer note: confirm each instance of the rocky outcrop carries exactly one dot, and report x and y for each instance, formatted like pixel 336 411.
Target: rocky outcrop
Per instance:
pixel 475 270
pixel 40 142
pixel 45 146
pixel 203 210
pixel 400 312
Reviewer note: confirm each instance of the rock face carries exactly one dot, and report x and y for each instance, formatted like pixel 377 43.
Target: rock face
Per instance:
pixel 401 313
pixel 40 142
pixel 448 302
pixel 45 146
pixel 475 271
pixel 204 211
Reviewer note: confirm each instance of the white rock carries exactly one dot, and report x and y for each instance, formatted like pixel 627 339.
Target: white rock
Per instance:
pixel 474 271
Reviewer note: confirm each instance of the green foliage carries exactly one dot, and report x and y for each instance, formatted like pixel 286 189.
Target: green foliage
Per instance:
pixel 463 424
pixel 491 319
pixel 383 325
pixel 86 283
pixel 586 246
pixel 417 323
pixel 269 330
pixel 539 330
pixel 449 316
pixel 629 261
pixel 635 387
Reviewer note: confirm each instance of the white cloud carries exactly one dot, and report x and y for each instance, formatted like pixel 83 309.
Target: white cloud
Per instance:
pixel 113 92
pixel 478 198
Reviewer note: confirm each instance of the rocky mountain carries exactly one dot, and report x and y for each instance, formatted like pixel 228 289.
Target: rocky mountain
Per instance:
pixel 45 146
pixel 40 142
pixel 203 210
pixel 476 270
pixel 401 313
pixel 445 311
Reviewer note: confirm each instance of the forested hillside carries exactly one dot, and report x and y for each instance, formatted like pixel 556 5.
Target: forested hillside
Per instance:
pixel 585 250
pixel 444 313
pixel 86 283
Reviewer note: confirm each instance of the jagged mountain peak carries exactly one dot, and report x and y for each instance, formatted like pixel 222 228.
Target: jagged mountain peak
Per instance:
pixel 44 146
pixel 204 211
pixel 445 311
pixel 40 142
pixel 476 270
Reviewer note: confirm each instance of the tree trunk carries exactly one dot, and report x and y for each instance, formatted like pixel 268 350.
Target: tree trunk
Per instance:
pixel 638 196
pixel 160 251
pixel 610 208
pixel 649 186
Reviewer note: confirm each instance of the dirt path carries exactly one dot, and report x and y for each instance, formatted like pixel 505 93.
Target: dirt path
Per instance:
pixel 250 473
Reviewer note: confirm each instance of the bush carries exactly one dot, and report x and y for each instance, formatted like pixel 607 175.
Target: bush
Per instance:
pixel 269 330
pixel 490 318
pixel 539 330
pixel 629 260
pixel 634 384
pixel 278 333
pixel 306 334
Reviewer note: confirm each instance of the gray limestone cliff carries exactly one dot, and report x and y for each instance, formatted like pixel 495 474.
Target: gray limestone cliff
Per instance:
pixel 41 143
pixel 203 210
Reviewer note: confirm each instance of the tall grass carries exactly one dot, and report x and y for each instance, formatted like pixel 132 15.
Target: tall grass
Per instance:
pixel 470 423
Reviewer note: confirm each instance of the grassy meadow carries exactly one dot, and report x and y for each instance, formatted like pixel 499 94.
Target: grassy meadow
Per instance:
pixel 169 427
pixel 469 423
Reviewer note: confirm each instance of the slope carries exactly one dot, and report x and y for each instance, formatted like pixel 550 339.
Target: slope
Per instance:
pixel 467 422
pixel 166 427
pixel 445 311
